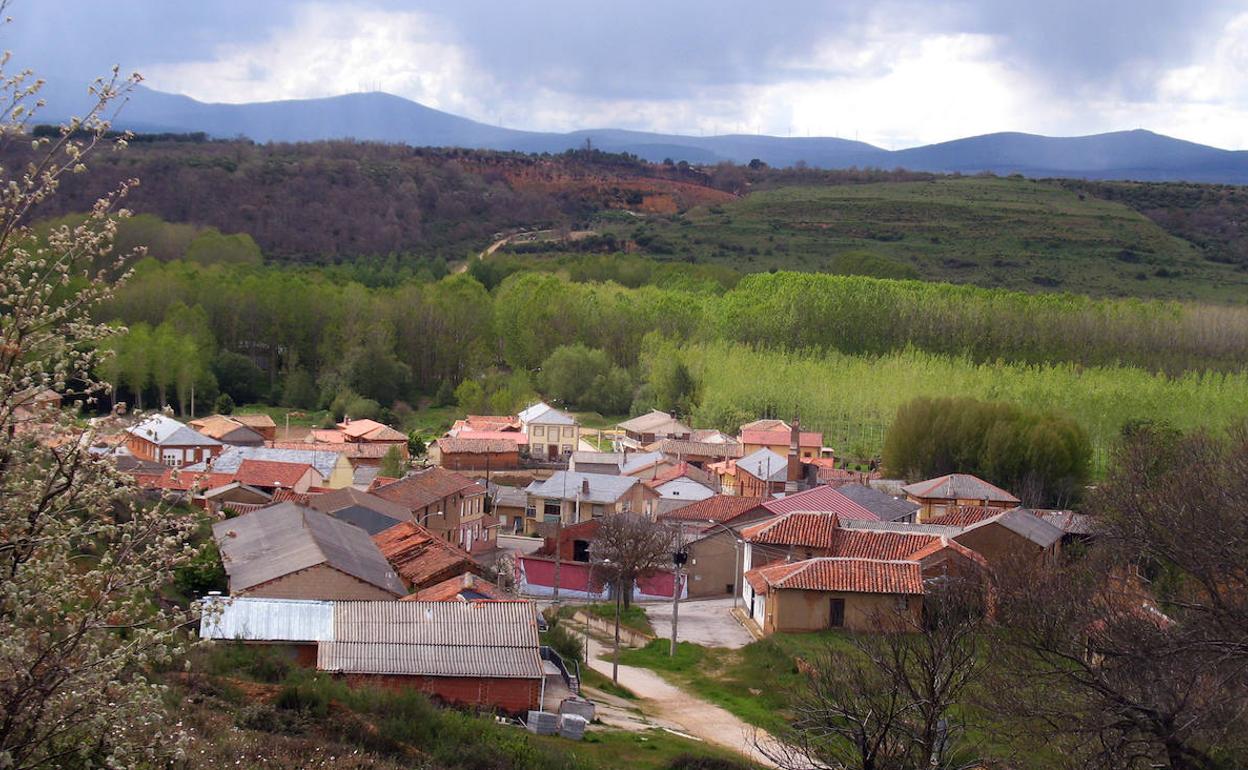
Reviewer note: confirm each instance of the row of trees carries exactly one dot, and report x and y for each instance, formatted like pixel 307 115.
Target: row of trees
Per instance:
pixel 314 337
pixel 1043 458
pixel 1125 655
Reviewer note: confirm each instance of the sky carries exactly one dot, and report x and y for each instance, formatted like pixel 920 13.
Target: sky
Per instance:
pixel 895 73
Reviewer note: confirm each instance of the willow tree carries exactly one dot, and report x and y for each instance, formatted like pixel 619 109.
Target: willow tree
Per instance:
pixel 81 562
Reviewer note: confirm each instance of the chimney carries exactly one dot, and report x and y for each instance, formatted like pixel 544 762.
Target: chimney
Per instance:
pixel 795 453
pixel 584 486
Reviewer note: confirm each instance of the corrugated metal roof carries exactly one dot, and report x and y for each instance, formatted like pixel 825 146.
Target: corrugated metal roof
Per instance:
pixel 477 624
pixel 822 499
pixel 885 506
pixel 267 620
pixel 901 526
pixel 428 660
pixel 545 414
pixel 1024 523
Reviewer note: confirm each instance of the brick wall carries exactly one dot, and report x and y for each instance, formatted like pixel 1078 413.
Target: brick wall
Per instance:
pixel 319 582
pixel 510 696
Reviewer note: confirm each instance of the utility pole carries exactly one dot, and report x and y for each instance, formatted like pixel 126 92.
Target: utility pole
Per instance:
pixel 558 538
pixel 678 559
pixel 615 655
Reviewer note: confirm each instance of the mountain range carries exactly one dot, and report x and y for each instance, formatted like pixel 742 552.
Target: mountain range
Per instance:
pixel 377 116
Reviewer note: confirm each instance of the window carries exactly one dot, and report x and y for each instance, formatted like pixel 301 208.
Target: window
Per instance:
pixel 567 432
pixel 567 449
pixel 538 430
pixel 598 510
pixel 900 603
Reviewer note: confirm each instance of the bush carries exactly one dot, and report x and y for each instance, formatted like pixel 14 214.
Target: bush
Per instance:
pixel 201 575
pixel 568 644
pixel 304 698
pixel 224 404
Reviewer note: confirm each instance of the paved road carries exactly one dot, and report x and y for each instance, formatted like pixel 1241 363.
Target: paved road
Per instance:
pixel 689 713
pixel 708 622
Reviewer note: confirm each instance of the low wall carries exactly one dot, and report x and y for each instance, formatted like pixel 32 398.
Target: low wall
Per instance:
pixel 628 636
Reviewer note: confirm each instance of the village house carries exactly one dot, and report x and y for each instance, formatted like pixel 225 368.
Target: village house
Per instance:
pixel 289 551
pixel 260 423
pixel 270 476
pixel 575 497
pixel 552 434
pixel 1003 535
pixel 585 461
pixel 942 494
pixel 358 455
pixel 335 469
pixel 833 592
pixel 651 427
pixel 421 558
pixel 370 432
pixel 473 654
pixel 479 423
pixel 683 482
pixel 699 454
pixel 450 504
pixel 368 512
pixel 780 437
pixel 509 504
pixel 227 430
pixel 760 474
pixel 162 439
pixel 478 451
pixel 794 551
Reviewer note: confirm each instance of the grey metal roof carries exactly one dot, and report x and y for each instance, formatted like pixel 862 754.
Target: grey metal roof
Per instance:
pixel 886 506
pixel 364 475
pixel 369 512
pixel 1025 523
pixel 567 485
pixel 166 431
pixel 545 414
pixel 901 526
pixel 267 620
pixel 429 660
pixel 229 460
pixel 597 458
pixel 275 541
pixel 635 461
pixel 765 464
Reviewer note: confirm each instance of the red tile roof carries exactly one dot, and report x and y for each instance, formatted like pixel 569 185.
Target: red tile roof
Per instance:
pixel 270 473
pixel 178 479
pixel 966 515
pixel 351 451
pixel 473 443
pixel 449 590
pixel 426 487
pixel 776 437
pixel 420 557
pixel 873 576
pixel 815 530
pixel 718 508
pixel 874 544
pixel 824 499
pixel 291 496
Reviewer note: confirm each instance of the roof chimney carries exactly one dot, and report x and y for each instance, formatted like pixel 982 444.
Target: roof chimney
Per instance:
pixel 584 486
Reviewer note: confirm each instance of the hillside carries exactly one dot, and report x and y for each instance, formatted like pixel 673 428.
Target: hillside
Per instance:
pixel 384 117
pixel 988 232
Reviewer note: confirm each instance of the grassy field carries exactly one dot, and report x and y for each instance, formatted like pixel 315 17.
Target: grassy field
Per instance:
pixel 993 232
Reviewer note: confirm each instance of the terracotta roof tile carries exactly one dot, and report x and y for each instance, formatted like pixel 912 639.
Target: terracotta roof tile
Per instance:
pixel 426 487
pixel 824 499
pixel 468 586
pixel 718 508
pixel 814 530
pixel 472 443
pixel 269 473
pixel 965 515
pixel 873 544
pixel 420 557
pixel 873 576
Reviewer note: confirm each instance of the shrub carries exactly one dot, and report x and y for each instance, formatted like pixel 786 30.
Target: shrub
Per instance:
pixel 304 698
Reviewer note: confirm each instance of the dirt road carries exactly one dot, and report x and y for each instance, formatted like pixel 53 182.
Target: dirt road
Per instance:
pixel 689 713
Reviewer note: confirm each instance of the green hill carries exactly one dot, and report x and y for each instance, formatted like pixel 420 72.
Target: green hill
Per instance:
pixel 987 231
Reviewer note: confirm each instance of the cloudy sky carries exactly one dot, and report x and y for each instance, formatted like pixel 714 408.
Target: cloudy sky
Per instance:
pixel 895 73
